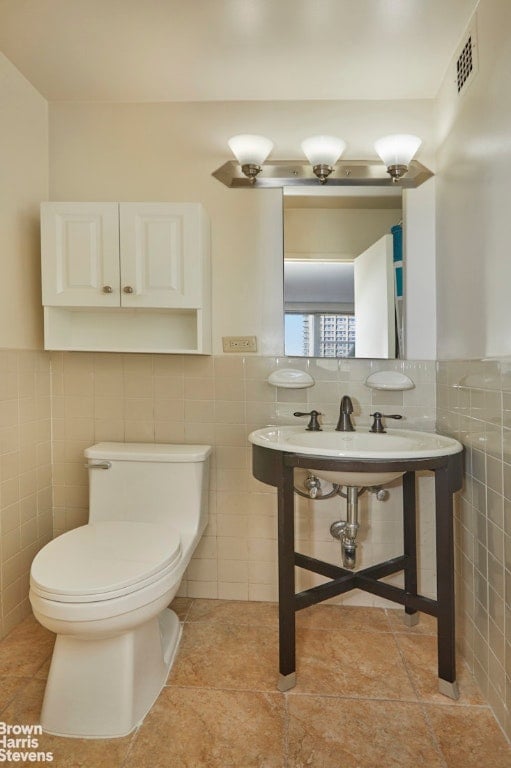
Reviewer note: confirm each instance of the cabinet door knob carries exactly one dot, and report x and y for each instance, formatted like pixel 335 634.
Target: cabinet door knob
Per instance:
pixel 127 289
pixel 107 289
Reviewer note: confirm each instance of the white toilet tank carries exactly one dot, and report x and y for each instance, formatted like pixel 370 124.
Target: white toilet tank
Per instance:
pixel 149 482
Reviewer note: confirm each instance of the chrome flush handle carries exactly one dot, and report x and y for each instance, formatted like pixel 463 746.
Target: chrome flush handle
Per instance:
pixel 99 465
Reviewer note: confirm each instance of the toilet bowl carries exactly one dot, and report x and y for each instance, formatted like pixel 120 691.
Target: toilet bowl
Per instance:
pixel 104 588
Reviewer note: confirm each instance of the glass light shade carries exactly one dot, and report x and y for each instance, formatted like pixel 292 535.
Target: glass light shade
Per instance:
pixel 250 149
pixel 398 149
pixel 323 150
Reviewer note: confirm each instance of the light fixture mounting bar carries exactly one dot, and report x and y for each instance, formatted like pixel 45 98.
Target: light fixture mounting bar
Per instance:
pixel 352 173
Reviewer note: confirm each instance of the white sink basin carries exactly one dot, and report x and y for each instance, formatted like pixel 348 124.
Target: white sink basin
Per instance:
pixel 393 444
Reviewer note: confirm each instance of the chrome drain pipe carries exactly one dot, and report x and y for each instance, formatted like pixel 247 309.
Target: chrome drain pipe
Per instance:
pixel 348 546
pixel 346 530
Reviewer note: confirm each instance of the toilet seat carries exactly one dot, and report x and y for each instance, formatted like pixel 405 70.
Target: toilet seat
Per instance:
pixel 101 561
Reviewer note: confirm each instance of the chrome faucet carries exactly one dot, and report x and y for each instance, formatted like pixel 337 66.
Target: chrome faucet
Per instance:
pixel 344 424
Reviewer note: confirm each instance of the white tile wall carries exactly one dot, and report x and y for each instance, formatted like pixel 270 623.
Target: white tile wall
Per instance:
pixel 25 475
pixel 474 405
pixel 219 400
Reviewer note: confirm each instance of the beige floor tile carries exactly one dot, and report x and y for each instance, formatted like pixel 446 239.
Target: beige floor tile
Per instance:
pixel 354 705
pixel 10 687
pixel 86 753
pixel 25 707
pixel 25 649
pixel 353 664
pixel 469 737
pixel 331 732
pixel 239 612
pixel 214 655
pixel 350 617
pixel 420 655
pixel 190 728
pixel 426 625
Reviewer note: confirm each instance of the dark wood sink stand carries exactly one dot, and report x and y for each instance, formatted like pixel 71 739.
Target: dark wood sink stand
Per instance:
pixel 277 468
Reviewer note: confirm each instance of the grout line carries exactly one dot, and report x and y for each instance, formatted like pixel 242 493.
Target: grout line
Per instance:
pixel 406 669
pixel 432 733
pixel 276 692
pixel 287 719
pixel 185 617
pixel 131 746
pixel 337 696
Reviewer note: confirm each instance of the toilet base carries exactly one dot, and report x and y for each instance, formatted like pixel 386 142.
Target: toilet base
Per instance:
pixel 103 688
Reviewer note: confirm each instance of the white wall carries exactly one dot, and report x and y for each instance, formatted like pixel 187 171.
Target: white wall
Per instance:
pixel 337 232
pixel 168 151
pixel 23 184
pixel 473 192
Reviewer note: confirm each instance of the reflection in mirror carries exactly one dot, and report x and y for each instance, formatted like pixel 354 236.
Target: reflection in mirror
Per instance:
pixel 343 272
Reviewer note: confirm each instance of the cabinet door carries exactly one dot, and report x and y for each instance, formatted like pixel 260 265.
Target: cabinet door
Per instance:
pixel 161 254
pixel 80 254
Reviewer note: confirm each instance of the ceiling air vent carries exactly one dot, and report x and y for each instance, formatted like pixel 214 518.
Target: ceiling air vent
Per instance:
pixel 466 62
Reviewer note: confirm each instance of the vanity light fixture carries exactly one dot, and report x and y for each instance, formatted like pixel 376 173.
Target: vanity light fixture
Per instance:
pixel 250 151
pixel 397 151
pixel 321 163
pixel 323 152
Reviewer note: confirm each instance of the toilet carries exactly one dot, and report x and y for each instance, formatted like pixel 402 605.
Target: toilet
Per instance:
pixel 104 588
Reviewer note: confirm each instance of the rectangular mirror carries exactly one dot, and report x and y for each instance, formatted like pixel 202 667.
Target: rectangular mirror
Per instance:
pixel 343 270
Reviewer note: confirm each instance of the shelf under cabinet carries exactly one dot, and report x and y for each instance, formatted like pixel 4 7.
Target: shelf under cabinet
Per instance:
pixel 118 329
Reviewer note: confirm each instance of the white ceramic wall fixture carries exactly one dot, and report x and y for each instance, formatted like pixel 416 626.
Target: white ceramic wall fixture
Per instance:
pixel 389 380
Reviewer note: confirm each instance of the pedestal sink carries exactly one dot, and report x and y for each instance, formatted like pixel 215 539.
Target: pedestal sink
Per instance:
pixel 359 445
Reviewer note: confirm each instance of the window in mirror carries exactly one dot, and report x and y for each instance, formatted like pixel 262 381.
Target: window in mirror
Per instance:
pixel 320 335
pixel 342 272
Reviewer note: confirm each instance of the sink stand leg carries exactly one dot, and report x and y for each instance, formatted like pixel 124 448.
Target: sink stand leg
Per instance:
pixel 411 617
pixel 445 585
pixel 286 546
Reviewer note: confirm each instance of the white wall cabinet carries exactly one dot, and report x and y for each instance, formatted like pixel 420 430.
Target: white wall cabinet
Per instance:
pixel 126 277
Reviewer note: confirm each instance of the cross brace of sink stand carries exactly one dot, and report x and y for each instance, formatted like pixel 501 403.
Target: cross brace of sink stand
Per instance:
pixel 448 474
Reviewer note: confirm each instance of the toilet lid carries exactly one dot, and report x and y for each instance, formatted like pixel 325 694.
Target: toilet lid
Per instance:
pixel 102 560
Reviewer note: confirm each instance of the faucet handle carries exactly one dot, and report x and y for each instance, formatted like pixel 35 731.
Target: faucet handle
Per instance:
pixel 313 425
pixel 377 425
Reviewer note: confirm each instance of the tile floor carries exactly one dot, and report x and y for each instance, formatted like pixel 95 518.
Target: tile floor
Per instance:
pixel 366 696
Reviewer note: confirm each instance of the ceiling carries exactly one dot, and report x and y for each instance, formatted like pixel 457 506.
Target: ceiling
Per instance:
pixel 221 50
